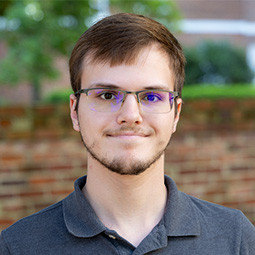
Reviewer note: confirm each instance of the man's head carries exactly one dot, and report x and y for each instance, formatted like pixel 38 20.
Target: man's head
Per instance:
pixel 118 39
pixel 132 53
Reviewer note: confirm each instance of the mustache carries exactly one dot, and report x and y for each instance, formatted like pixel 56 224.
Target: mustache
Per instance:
pixel 124 129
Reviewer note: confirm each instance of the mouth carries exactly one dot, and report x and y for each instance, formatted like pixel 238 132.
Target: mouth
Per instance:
pixel 128 136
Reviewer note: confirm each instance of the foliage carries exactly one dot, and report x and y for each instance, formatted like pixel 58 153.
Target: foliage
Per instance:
pixel 212 91
pixel 58 96
pixel 37 31
pixel 165 12
pixel 218 63
pixel 3 6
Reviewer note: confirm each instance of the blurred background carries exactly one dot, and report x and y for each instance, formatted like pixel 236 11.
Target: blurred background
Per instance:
pixel 212 154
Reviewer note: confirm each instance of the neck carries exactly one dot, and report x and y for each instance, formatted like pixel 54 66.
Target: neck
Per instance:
pixel 121 201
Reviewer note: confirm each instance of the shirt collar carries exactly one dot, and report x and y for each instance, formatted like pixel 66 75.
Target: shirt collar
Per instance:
pixel 80 218
pixel 180 218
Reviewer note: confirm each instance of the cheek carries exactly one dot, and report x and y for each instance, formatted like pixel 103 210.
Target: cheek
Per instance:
pixel 164 126
pixel 86 125
pixel 92 123
pixel 164 132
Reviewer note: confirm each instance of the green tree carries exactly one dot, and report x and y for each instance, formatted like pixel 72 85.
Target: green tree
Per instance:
pixel 35 33
pixel 164 11
pixel 38 31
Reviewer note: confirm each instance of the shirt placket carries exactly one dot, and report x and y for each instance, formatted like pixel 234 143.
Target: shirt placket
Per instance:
pixel 122 246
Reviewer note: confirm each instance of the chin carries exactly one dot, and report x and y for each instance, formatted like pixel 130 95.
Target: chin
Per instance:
pixel 132 165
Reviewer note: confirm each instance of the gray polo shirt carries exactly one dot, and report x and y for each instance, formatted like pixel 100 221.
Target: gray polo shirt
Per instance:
pixel 189 226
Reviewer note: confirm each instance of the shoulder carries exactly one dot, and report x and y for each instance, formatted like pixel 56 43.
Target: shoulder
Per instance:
pixel 211 210
pixel 218 219
pixel 39 218
pixel 33 228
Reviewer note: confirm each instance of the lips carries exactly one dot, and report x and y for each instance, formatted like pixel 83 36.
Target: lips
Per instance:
pixel 127 135
pixel 128 132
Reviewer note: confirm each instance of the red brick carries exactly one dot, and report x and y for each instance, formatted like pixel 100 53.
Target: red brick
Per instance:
pixel 241 179
pixel 188 171
pixel 48 134
pixel 215 191
pixel 5 123
pixel 197 171
pixel 12 111
pixel 49 156
pixel 42 206
pixel 47 110
pixel 195 182
pixel 5 222
pixel 71 179
pixel 203 105
pixel 20 135
pixel 30 194
pixel 12 157
pixel 14 208
pixel 60 167
pixel 248 103
pixel 248 179
pixel 212 170
pixel 231 204
pixel 250 202
pixel 61 192
pixel 229 104
pixel 241 168
pixel 9 195
pixel 13 182
pixel 84 165
pixel 31 167
pixel 41 180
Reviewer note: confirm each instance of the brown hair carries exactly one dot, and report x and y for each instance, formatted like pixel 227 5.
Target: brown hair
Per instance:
pixel 118 39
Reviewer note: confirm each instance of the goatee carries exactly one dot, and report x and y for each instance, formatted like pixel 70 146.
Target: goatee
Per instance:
pixel 120 166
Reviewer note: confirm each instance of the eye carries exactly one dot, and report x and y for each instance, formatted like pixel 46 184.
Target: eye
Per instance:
pixel 107 95
pixel 152 97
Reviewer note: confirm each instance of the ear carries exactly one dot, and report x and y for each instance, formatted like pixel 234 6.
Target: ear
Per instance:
pixel 179 107
pixel 73 113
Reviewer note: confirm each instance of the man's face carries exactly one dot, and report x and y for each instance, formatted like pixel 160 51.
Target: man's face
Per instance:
pixel 106 135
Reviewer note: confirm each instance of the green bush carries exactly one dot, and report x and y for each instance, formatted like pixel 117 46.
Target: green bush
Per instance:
pixel 57 96
pixel 212 91
pixel 216 63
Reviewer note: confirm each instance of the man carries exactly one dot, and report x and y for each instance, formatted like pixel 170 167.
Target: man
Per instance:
pixel 127 73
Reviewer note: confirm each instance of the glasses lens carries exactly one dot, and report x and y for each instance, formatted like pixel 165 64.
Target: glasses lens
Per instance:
pixel 156 101
pixel 105 100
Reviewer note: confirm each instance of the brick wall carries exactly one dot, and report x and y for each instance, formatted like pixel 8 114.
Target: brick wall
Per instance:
pixel 211 156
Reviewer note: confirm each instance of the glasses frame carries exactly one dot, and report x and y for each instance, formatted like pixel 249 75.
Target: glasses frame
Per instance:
pixel 85 91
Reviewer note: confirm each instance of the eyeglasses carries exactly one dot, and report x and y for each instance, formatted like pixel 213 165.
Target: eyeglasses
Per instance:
pixel 111 99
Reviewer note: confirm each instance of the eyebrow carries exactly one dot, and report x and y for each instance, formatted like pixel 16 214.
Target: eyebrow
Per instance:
pixel 112 86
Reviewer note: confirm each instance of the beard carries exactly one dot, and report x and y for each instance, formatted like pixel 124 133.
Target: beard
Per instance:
pixel 120 165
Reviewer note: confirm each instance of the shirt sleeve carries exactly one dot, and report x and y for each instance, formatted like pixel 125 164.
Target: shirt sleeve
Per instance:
pixel 248 237
pixel 3 246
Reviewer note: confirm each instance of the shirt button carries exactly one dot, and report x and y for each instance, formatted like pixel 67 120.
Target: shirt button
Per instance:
pixel 111 236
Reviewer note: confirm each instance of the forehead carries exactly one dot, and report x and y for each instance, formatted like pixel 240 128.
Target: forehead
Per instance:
pixel 150 67
pixel 118 57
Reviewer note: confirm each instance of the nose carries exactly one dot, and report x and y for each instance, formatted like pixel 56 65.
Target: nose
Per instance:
pixel 129 112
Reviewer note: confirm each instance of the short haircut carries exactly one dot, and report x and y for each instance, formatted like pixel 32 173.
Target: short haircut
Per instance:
pixel 118 39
